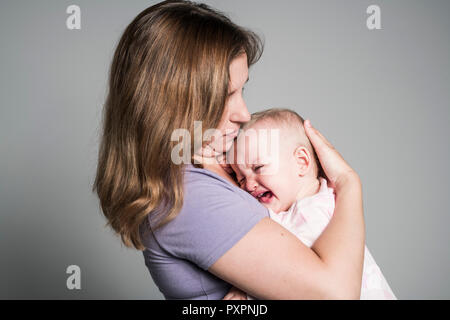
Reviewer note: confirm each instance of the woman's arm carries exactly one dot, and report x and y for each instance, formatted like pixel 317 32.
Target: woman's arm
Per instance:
pixel 271 263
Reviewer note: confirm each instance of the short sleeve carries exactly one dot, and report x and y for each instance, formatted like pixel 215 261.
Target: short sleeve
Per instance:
pixel 214 217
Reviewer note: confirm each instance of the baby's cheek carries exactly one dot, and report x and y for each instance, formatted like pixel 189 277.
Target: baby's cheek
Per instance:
pixel 286 195
pixel 274 206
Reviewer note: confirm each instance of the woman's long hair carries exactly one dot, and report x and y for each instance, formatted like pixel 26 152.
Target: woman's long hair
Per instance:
pixel 170 68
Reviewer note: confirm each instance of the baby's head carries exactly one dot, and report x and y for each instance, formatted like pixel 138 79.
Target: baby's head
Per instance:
pixel 274 160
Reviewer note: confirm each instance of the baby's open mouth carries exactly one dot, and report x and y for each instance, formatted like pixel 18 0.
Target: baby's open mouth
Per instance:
pixel 265 197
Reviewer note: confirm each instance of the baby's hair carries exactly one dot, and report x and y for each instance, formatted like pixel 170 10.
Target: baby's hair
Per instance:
pixel 292 120
pixel 287 116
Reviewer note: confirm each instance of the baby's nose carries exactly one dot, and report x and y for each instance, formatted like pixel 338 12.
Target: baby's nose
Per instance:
pixel 251 185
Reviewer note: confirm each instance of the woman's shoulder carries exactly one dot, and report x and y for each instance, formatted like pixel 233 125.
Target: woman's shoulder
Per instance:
pixel 198 177
pixel 206 180
pixel 209 198
pixel 204 188
pixel 215 214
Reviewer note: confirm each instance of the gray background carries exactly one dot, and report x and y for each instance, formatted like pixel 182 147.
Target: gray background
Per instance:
pixel 381 97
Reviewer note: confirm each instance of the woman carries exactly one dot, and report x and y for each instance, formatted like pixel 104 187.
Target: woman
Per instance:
pixel 177 63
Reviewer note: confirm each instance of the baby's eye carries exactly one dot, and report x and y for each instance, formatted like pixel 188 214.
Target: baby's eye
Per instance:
pixel 240 182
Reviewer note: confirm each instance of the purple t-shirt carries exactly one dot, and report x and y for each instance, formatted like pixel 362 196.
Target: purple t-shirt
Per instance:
pixel 215 216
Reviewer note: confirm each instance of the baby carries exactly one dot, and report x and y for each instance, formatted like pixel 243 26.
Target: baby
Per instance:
pixel 280 168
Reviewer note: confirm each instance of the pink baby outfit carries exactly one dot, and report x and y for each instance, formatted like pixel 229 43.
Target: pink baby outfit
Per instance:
pixel 307 218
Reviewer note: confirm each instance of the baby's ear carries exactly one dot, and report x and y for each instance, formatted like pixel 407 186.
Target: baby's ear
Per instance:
pixel 303 160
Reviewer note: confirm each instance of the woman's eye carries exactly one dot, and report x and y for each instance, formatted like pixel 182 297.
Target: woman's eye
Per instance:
pixel 241 181
pixel 231 93
pixel 258 168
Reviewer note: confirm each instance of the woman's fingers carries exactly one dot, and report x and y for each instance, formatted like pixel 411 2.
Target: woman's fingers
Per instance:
pixel 334 166
pixel 228 297
pixel 317 139
pixel 235 294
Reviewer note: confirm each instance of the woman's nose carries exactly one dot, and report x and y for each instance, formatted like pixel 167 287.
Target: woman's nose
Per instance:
pixel 241 114
pixel 246 116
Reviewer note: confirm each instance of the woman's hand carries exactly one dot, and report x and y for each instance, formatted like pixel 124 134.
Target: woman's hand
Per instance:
pixel 337 170
pixel 235 294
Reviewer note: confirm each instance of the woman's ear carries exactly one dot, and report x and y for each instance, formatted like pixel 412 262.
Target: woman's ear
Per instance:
pixel 303 160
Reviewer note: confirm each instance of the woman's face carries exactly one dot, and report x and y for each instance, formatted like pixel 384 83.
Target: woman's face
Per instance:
pixel 235 112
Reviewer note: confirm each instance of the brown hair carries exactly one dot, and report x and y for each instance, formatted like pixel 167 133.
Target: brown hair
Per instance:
pixel 170 67
pixel 290 119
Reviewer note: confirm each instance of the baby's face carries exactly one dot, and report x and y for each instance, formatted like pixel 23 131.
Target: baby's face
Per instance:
pixel 270 176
